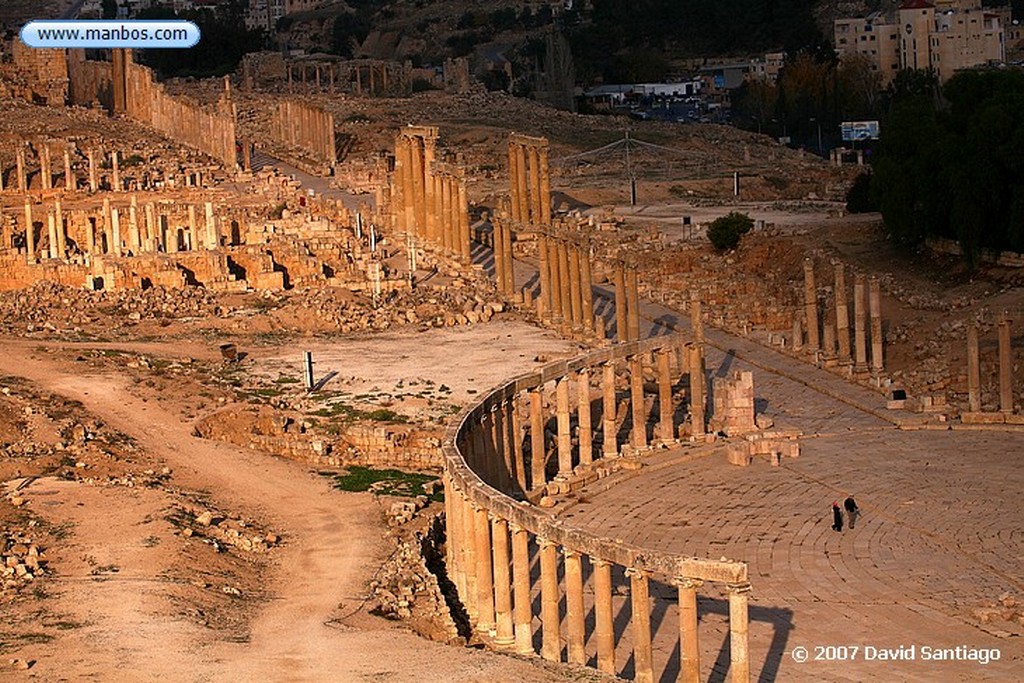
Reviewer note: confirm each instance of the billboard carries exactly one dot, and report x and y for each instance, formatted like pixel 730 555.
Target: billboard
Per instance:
pixel 859 130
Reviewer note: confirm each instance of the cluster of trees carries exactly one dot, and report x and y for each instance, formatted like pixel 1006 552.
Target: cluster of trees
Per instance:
pixel 952 165
pixel 225 39
pixel 815 90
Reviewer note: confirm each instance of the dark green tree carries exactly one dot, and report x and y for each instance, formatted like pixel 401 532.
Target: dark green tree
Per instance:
pixel 725 231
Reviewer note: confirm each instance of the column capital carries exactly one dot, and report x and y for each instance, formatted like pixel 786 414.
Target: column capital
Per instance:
pixel 687 582
pixel 600 562
pixel 739 588
pixel 569 552
pixel 637 572
pixel 516 528
pixel 544 543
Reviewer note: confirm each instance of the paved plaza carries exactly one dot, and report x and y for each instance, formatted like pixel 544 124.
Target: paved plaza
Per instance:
pixel 938 538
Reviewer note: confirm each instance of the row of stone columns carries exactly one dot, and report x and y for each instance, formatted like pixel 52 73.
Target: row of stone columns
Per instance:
pixel 489 561
pixel 114 230
pixel 529 179
pixel 360 77
pixel 490 555
pixel 512 449
pixel 1005 368
pixel 501 243
pixel 96 177
pixel 566 284
pixel 835 330
pixel 308 127
pixel 627 302
pixel 430 200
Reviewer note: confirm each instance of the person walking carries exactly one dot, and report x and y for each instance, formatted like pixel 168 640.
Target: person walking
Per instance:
pixel 851 510
pixel 837 517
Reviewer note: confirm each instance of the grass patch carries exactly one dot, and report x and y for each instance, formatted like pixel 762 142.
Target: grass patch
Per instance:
pixel 385 482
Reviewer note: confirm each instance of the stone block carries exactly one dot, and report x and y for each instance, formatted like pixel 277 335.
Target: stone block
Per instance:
pixel 983 418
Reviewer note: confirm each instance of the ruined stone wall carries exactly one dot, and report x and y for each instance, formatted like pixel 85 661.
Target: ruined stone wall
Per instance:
pixel 38 76
pixel 90 81
pixel 147 102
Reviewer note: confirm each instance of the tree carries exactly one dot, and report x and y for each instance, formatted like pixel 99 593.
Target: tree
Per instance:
pixel 725 231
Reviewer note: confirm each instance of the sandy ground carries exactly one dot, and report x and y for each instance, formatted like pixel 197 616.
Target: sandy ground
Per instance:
pixel 112 588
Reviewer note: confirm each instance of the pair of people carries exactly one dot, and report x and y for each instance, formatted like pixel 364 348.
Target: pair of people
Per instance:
pixel 851 513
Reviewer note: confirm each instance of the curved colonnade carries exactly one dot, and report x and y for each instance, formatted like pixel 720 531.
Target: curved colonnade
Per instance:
pixel 495 527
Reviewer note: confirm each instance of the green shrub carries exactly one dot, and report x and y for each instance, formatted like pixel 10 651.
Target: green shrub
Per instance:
pixel 725 231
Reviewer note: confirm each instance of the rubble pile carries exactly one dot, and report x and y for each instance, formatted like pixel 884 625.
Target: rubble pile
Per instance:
pixel 406 588
pixel 21 560
pixel 222 531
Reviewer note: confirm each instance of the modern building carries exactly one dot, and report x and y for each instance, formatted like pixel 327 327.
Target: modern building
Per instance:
pixel 945 35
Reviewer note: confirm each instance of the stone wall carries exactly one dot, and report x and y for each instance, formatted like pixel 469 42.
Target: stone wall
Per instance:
pixel 35 75
pixel 91 81
pixel 147 102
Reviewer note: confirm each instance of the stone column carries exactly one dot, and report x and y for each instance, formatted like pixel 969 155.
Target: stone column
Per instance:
pixel 545 187
pixel 506 255
pixel 453 534
pixel 575 295
pixel 418 186
pixel 739 656
pixel 545 277
pixel 211 228
pixel 604 620
pixel 621 325
pixel 636 394
pixel 608 411
pixel 696 318
pixel 20 168
pixel 521 183
pixel 859 331
pixel 565 288
pixel 842 315
pixel 557 308
pixel 408 191
pixel 516 437
pixel 30 233
pixel 632 304
pixel 522 614
pixel 134 236
pixel 504 633
pixel 564 436
pixel 551 645
pixel 51 245
pixel 574 610
pixel 115 231
pixel 583 415
pixel 973 370
pixel 1005 367
pixel 90 235
pixel 513 182
pixel 108 238
pixel 537 452
pixel 587 290
pixel 689 647
pixel 640 623
pixel 665 409
pixel 502 460
pixel 875 291
pixel 811 306
pixel 193 233
pixel 45 167
pixel 469 554
pixel 463 226
pixel 797 334
pixel 69 176
pixel 697 395
pixel 497 243
pixel 58 211
pixel 116 171
pixel 535 189
pixel 828 341
pixel 434 232
pixel 448 200
pixel 484 576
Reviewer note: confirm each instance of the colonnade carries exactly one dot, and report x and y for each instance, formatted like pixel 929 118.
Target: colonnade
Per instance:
pixel 500 448
pixel 49 231
pixel 529 179
pixel 566 282
pixel 429 198
pixel 307 127
pixel 103 169
pixel 834 328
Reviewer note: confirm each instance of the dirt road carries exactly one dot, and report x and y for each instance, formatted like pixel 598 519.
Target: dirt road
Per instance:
pixel 332 544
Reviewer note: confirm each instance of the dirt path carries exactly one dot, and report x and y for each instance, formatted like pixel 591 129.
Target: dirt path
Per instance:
pixel 331 543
